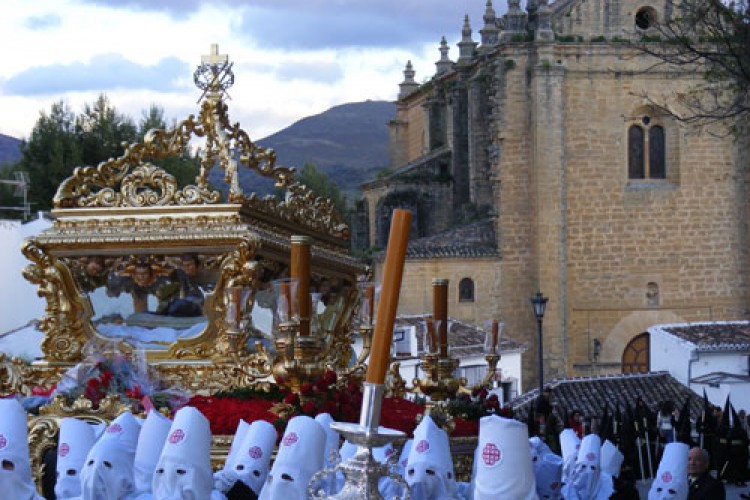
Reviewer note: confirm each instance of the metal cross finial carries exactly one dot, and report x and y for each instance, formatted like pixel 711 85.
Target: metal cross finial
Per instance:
pixel 214 58
pixel 214 75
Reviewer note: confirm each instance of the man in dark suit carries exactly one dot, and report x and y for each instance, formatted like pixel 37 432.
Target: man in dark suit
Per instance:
pixel 703 486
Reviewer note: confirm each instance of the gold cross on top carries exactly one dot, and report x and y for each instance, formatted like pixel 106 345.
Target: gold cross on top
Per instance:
pixel 214 58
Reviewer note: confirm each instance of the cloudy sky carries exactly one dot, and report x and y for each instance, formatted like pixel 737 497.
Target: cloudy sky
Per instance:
pixel 292 58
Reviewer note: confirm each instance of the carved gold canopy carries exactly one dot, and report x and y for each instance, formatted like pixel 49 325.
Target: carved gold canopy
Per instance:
pixel 129 212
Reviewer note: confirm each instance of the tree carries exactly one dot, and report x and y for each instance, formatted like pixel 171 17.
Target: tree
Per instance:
pixel 50 154
pixel 184 167
pixel 61 141
pixel 102 131
pixel 711 37
pixel 151 119
pixel 320 184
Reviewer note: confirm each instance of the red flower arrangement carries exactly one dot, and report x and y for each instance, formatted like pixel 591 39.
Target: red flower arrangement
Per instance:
pixel 225 413
pixel 343 404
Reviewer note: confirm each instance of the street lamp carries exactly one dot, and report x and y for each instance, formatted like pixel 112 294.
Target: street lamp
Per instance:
pixel 539 302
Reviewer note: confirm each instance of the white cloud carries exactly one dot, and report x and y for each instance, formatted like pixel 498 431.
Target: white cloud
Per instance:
pixel 293 58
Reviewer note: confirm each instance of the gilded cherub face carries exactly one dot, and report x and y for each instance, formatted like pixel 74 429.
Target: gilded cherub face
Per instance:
pixel 189 266
pixel 94 266
pixel 142 276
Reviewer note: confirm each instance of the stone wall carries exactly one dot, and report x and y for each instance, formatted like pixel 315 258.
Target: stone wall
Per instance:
pixel 416 289
pixel 547 127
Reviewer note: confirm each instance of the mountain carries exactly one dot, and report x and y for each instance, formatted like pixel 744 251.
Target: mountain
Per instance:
pixel 349 143
pixel 10 149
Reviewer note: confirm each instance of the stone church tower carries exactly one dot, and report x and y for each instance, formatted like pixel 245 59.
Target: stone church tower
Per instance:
pixel 535 161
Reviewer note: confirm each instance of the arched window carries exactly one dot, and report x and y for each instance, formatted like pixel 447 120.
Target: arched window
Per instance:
pixel 636 356
pixel 646 150
pixel 466 290
pixel 656 149
pixel 636 160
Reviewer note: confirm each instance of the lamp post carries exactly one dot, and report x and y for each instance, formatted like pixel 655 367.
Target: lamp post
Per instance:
pixel 539 302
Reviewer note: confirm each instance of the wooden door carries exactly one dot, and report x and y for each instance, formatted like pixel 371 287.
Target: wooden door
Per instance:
pixel 635 357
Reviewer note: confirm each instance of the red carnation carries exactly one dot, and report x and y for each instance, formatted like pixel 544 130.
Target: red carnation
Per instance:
pixel 328 407
pixel 291 399
pixel 309 408
pixel 306 389
pixel 330 377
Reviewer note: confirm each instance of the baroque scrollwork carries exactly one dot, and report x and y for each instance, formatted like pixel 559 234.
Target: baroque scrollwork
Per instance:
pixel 131 180
pixel 14 375
pixel 252 371
pixel 65 325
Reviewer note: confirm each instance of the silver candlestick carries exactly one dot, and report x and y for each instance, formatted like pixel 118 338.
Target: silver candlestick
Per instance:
pixel 362 472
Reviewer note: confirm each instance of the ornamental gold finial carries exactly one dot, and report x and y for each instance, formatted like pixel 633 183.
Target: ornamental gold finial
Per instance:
pixel 214 75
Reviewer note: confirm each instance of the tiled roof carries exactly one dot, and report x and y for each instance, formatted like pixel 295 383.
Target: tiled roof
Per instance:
pixel 476 239
pixel 713 336
pixel 590 394
pixel 464 339
pixel 416 165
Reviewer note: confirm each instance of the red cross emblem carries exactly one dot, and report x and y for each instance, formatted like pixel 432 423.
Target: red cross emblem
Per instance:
pixel 3 442
pixel 422 446
pixel 114 428
pixel 255 452
pixel 64 449
pixel 590 456
pixel 666 477
pixel 389 452
pixel 290 439
pixel 176 436
pixel 491 454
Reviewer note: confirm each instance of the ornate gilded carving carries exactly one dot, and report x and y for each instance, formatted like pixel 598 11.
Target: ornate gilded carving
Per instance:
pixel 207 378
pixel 66 326
pixel 227 146
pixel 14 380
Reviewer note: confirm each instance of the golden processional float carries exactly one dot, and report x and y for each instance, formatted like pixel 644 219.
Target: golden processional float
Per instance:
pixel 131 255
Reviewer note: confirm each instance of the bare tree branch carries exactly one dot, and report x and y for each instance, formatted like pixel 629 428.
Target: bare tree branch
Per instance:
pixel 710 38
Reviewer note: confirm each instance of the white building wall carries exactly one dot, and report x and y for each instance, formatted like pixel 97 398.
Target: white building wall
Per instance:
pixel 670 354
pixel 19 302
pixel 685 362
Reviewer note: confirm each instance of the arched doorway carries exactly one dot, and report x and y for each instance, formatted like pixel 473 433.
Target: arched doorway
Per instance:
pixel 636 356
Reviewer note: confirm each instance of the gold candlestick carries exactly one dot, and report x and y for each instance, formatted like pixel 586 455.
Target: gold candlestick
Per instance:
pixel 492 360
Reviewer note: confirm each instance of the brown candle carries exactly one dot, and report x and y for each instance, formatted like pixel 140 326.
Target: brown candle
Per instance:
pixel 431 342
pixel 300 271
pixel 285 296
pixel 495 333
pixel 393 270
pixel 440 312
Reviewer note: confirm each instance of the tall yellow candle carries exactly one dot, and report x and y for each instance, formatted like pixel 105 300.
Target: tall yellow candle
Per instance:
pixel 390 289
pixel 440 312
pixel 300 271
